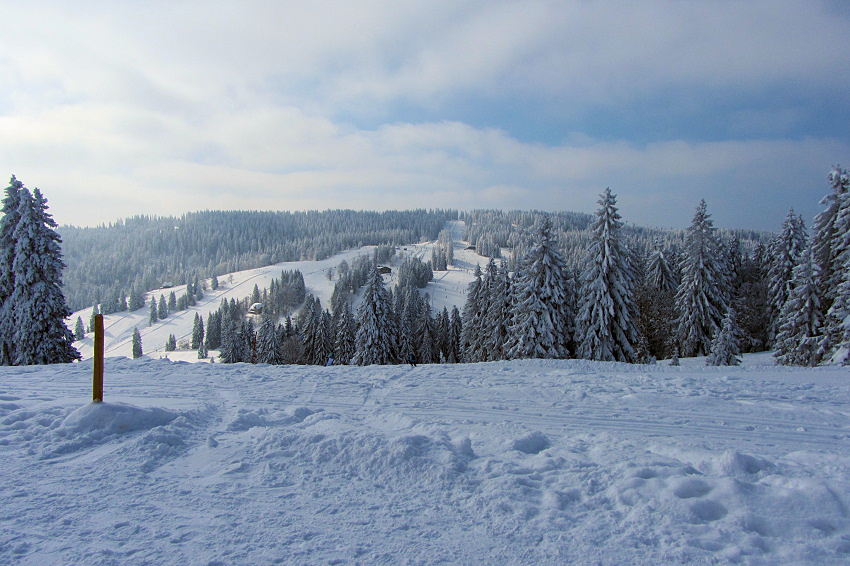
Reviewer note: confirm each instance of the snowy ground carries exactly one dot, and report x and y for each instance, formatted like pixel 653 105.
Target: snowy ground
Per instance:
pixel 555 462
pixel 446 290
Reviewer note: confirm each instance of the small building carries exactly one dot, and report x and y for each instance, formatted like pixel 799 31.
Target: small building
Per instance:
pixel 256 308
pixel 384 270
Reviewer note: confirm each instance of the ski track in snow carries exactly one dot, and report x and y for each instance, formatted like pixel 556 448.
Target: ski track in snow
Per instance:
pixel 544 462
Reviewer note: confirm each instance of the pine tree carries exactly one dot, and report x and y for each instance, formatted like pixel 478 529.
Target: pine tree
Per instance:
pixel 137 344
pixel 606 320
pixel 375 338
pixel 162 308
pixel 826 239
pixel 152 317
pixel 701 300
pixel 541 321
pixel 472 314
pixel 197 332
pixel 785 252
pixel 8 222
pixel 498 317
pixel 94 312
pixel 172 302
pixel 655 304
pixel 726 347
pixel 426 346
pixel 202 351
pixel 833 243
pixel 455 333
pixel 38 305
pixel 269 349
pixel 801 320
pixel 214 283
pixel 345 332
pixel 79 330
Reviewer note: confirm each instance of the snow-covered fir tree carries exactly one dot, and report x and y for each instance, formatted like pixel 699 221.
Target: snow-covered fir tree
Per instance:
pixel 137 344
pixel 785 252
pixel 454 338
pixel 375 339
pixel 197 332
pixel 606 319
pixel 426 340
pixel 653 298
pixel 345 332
pixel 152 315
pixel 202 351
pixel 37 303
pixel 8 222
pixel 498 316
pixel 162 308
pixel 726 346
pixel 832 241
pixel 701 300
pixel 79 329
pixel 540 323
pixel 801 319
pixel 826 237
pixel 472 314
pixel 269 349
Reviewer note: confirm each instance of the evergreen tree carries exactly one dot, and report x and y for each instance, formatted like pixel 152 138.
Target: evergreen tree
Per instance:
pixel 832 244
pixel 38 305
pixel 94 312
pixel 8 222
pixel 152 317
pixel 606 321
pixel 137 344
pixel 345 332
pixel 269 349
pixel 171 343
pixel 785 251
pixel 197 332
pixel 426 346
pixel 654 302
pixel 172 302
pixel 498 317
pixel 162 308
pixel 826 239
pixel 472 316
pixel 375 338
pixel 137 298
pixel 230 342
pixel 455 334
pixel 214 283
pixel 701 300
pixel 801 321
pixel 726 347
pixel 202 351
pixel 79 330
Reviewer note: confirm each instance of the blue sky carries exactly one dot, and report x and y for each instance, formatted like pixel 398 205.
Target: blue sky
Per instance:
pixel 115 109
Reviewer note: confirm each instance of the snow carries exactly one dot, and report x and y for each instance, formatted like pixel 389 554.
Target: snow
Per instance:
pixel 531 461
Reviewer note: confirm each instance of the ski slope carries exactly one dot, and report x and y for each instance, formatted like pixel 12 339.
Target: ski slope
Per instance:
pixel 520 462
pixel 447 289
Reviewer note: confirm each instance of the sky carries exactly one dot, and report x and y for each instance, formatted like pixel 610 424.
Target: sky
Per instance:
pixel 114 109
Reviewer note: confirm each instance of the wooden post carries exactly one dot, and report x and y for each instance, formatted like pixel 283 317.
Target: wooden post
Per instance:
pixel 97 385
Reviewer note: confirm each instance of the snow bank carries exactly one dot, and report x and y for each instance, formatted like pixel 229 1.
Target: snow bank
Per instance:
pixel 544 462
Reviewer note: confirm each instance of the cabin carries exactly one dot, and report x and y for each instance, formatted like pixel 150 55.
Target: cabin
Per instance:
pixel 384 270
pixel 256 308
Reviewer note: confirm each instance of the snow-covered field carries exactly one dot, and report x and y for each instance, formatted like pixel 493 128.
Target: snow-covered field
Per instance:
pixel 522 462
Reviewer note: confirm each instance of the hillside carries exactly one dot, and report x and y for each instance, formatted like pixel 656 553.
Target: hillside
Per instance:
pixel 447 289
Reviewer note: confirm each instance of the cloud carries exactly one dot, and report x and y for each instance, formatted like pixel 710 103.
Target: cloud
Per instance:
pixel 118 109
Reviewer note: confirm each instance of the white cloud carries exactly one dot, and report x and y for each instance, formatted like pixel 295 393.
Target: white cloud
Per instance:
pixel 121 108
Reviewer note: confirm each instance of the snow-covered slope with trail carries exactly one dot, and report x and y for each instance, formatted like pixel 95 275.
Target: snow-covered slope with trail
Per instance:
pixel 521 462
pixel 447 289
